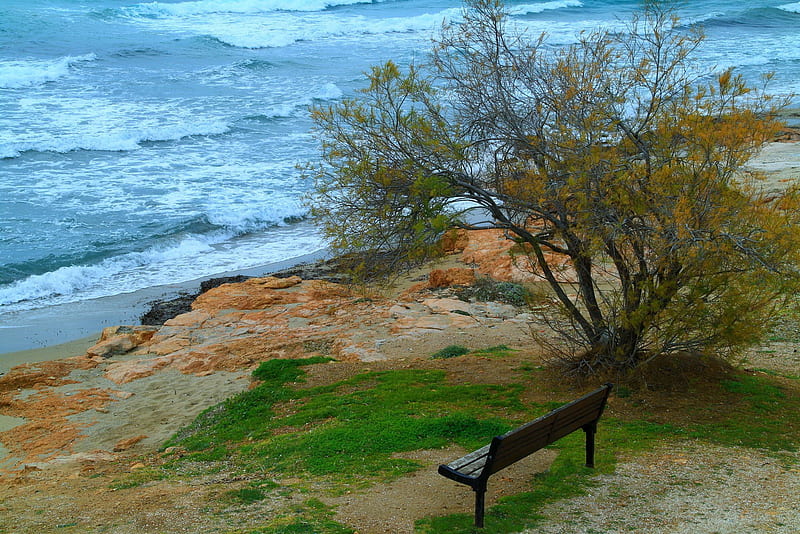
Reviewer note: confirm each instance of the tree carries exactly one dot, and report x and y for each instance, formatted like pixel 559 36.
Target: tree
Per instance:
pixel 614 152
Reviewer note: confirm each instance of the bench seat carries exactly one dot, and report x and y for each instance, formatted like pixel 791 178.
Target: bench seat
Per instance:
pixel 475 468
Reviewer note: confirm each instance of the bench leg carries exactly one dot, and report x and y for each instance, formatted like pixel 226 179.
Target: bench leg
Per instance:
pixel 590 431
pixel 480 494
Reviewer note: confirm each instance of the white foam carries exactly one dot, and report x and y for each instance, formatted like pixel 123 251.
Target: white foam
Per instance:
pixel 245 217
pixel 792 8
pixel 282 28
pixel 99 124
pixel 205 7
pixel 329 91
pixel 188 259
pixel 15 74
pixel 528 9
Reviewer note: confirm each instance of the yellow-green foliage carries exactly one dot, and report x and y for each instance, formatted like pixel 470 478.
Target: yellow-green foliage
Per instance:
pixel 609 152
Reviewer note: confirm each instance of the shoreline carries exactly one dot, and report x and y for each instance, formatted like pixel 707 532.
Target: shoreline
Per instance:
pixel 26 334
pixel 47 333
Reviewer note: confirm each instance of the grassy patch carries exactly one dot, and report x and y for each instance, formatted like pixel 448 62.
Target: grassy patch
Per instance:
pixel 137 477
pixel 489 290
pixel 311 516
pixel 498 351
pixel 348 430
pixel 346 434
pixel 759 414
pixel 355 434
pixel 246 495
pixel 771 372
pixel 451 351
pixel 242 417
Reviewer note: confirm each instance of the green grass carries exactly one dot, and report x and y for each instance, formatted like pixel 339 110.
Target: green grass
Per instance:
pixel 347 434
pixel 498 351
pixel 451 351
pixel 348 430
pixel 310 517
pixel 246 495
pixel 772 372
pixel 761 414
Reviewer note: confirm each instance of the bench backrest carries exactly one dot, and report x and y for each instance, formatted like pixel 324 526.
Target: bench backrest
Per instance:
pixel 529 438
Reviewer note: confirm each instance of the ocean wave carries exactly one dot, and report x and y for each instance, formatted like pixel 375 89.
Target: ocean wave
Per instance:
pixel 189 258
pixel 26 73
pixel 285 30
pixel 529 9
pixel 96 137
pixel 703 19
pixel 244 220
pixel 265 28
pixel 206 7
pixel 89 280
pixel 779 18
pixel 329 91
pixel 791 8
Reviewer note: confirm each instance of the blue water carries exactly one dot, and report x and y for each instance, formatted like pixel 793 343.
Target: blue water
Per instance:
pixel 150 143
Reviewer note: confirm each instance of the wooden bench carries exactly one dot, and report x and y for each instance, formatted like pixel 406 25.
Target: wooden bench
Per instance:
pixel 475 468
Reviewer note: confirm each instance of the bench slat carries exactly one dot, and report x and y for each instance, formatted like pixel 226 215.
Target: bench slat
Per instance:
pixel 540 433
pixel 471 464
pixel 475 468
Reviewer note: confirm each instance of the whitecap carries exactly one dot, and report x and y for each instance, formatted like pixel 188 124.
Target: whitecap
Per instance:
pixel 15 74
pixel 791 8
pixel 206 7
pixel 188 258
pixel 528 9
pixel 280 29
pixel 329 91
pixel 102 125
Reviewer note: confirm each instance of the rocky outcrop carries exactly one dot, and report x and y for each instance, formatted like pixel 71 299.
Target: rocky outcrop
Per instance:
pixel 231 327
pixel 500 258
pixel 116 340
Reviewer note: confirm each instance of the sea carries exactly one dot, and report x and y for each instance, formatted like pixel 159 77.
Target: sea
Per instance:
pixel 147 145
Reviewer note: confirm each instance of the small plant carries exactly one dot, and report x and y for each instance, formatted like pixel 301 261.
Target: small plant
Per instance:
pixel 498 351
pixel 450 352
pixel 246 495
pixel 311 516
pixel 623 392
pixel 490 290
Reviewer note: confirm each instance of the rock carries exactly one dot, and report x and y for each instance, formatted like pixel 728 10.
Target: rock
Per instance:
pixel 490 250
pixel 126 444
pixel 455 241
pixel 162 311
pixel 788 135
pixel 448 306
pixel 120 340
pixel 124 372
pixel 252 294
pixel 192 318
pixel 456 276
pixel 207 285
